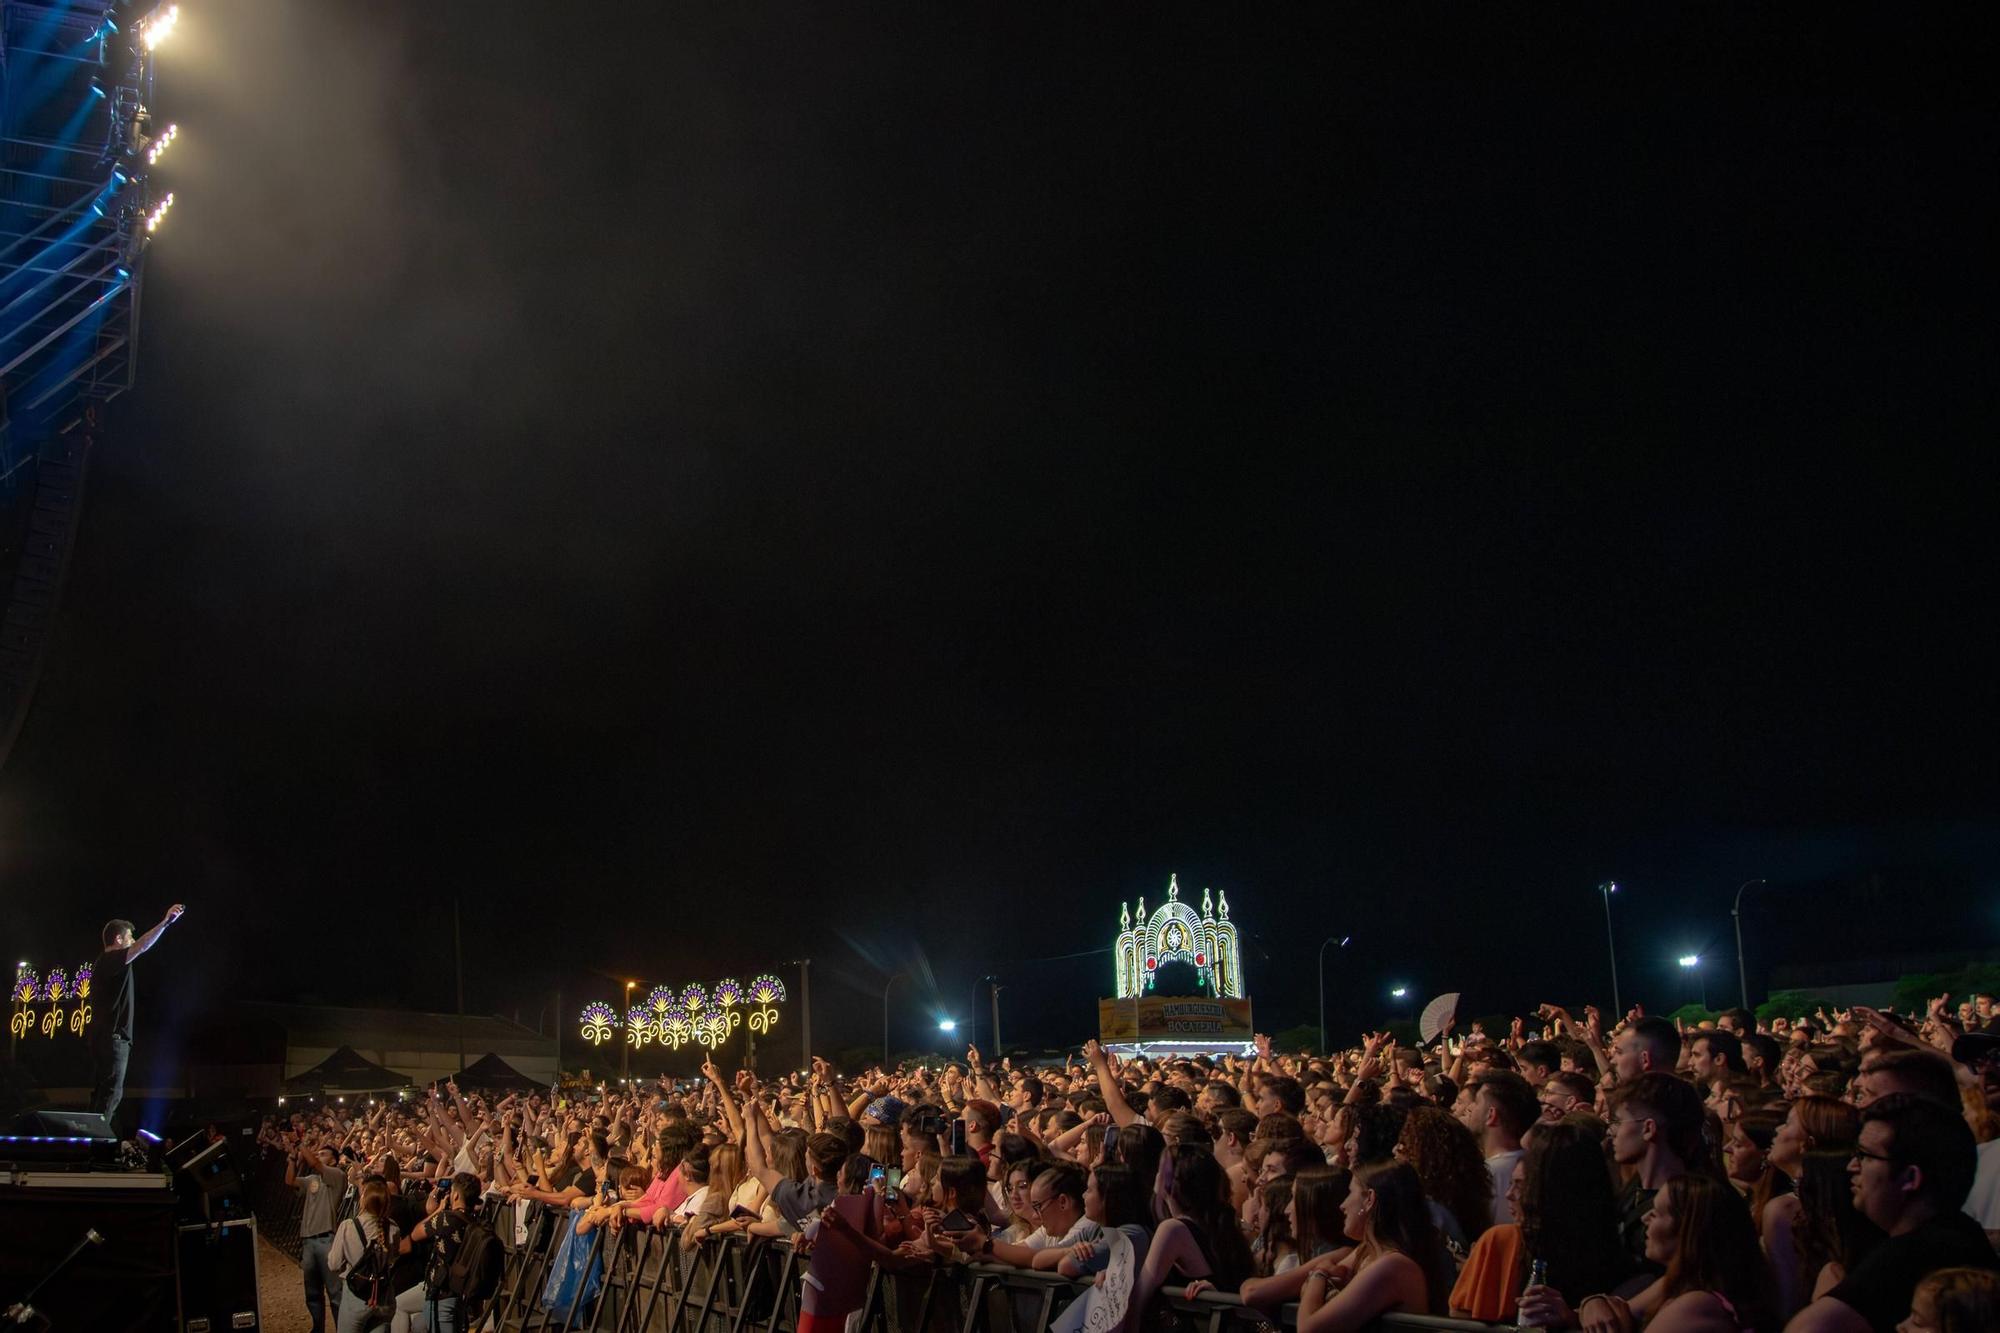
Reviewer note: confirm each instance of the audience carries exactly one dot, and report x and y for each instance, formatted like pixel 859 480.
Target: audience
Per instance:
pixel 1727 1176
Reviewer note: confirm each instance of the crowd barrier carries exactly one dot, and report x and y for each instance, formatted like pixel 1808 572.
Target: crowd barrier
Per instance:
pixel 736 1284
pixel 652 1284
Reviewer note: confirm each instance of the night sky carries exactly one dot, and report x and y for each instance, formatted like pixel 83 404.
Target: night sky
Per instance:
pixel 711 485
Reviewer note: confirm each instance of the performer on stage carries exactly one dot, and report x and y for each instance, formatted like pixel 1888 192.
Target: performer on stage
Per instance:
pixel 111 1037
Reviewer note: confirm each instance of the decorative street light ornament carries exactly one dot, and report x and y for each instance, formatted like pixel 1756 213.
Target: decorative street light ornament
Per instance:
pixel 599 1020
pixel 765 992
pixel 694 999
pixel 639 1025
pixel 31 988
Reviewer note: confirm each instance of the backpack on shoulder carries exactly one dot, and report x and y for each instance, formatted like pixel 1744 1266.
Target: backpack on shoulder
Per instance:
pixel 368 1280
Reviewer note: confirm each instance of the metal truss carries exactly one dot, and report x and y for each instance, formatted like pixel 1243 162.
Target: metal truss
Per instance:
pixel 75 196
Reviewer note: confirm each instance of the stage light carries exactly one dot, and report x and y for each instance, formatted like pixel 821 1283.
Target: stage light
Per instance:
pixel 97 87
pixel 159 147
pixel 148 1135
pixel 159 213
pixel 281 1101
pixel 155 29
pixel 124 274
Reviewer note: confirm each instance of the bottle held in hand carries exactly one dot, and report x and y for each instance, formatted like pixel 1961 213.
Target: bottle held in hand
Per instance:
pixel 1538 1275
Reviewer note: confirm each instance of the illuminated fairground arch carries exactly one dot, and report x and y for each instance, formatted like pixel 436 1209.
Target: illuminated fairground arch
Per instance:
pixel 1142 1016
pixel 1174 933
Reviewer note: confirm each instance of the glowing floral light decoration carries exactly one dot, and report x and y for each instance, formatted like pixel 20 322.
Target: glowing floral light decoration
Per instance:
pixel 79 986
pixel 22 1023
pixel 676 1028
pixel 57 985
pixel 711 1029
pixel 728 995
pixel 694 999
pixel 27 986
pixel 765 992
pixel 639 1025
pixel 599 1019
pixel 79 1019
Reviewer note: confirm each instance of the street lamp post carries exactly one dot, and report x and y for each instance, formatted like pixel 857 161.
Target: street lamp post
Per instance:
pixel 893 978
pixel 1607 888
pixel 1693 962
pixel 1322 986
pixel 1736 915
pixel 625 1048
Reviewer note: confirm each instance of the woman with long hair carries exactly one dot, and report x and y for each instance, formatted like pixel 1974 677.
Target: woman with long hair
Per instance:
pixel 1748 1153
pixel 1318 1228
pixel 353 1242
pixel 1567 1208
pixel 1399 1262
pixel 1200 1237
pixel 1716 1281
pixel 1274 1249
pixel 1815 1125
pixel 1453 1171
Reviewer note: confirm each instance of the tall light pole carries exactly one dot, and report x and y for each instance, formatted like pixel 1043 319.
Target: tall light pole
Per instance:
pixel 806 1012
pixel 893 978
pixel 1322 986
pixel 1736 915
pixel 625 1048
pixel 1693 961
pixel 994 984
pixel 1607 888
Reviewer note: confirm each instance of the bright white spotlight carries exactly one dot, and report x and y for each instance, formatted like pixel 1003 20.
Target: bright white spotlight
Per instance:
pixel 159 213
pixel 155 29
pixel 1690 960
pixel 159 147
pixel 1400 992
pixel 947 1025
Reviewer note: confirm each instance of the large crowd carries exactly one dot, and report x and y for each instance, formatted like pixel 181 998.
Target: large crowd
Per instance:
pixel 1823 1174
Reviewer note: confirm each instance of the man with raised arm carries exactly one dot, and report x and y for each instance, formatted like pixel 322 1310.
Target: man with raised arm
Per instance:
pixel 111 1036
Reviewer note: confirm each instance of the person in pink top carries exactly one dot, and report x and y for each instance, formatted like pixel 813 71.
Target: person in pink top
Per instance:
pixel 676 1139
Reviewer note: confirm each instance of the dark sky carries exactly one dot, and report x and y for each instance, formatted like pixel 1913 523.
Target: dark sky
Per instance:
pixel 712 484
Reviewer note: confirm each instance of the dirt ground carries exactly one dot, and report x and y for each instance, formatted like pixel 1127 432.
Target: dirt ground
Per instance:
pixel 281 1297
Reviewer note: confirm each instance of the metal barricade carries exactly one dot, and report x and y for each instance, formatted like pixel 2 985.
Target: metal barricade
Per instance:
pixel 737 1285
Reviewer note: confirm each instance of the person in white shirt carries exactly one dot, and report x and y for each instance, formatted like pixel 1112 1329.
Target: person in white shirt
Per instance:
pixel 1499 1105
pixel 1055 1201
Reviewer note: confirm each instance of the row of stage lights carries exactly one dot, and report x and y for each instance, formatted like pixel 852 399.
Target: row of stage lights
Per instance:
pixel 159 213
pixel 158 25
pixel 159 148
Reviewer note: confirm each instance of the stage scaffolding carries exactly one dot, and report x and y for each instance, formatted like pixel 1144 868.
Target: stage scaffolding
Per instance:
pixel 76 192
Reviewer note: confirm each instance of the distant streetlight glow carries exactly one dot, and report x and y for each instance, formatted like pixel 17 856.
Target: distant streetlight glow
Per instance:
pixel 947 1025
pixel 1399 992
pixel 1690 960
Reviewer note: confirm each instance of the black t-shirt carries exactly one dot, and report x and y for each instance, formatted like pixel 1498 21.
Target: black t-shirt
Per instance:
pixel 111 992
pixel 1880 1286
pixel 585 1180
pixel 406 1210
pixel 447 1232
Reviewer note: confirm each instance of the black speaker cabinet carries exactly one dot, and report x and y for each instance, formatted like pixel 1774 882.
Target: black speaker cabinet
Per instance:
pixel 218 1276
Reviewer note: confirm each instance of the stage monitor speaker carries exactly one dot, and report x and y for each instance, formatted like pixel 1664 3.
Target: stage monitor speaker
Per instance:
pixel 208 1181
pixel 76 1137
pixel 218 1276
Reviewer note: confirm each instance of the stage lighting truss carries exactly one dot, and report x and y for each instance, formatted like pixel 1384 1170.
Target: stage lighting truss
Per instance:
pixel 77 208
pixel 158 25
